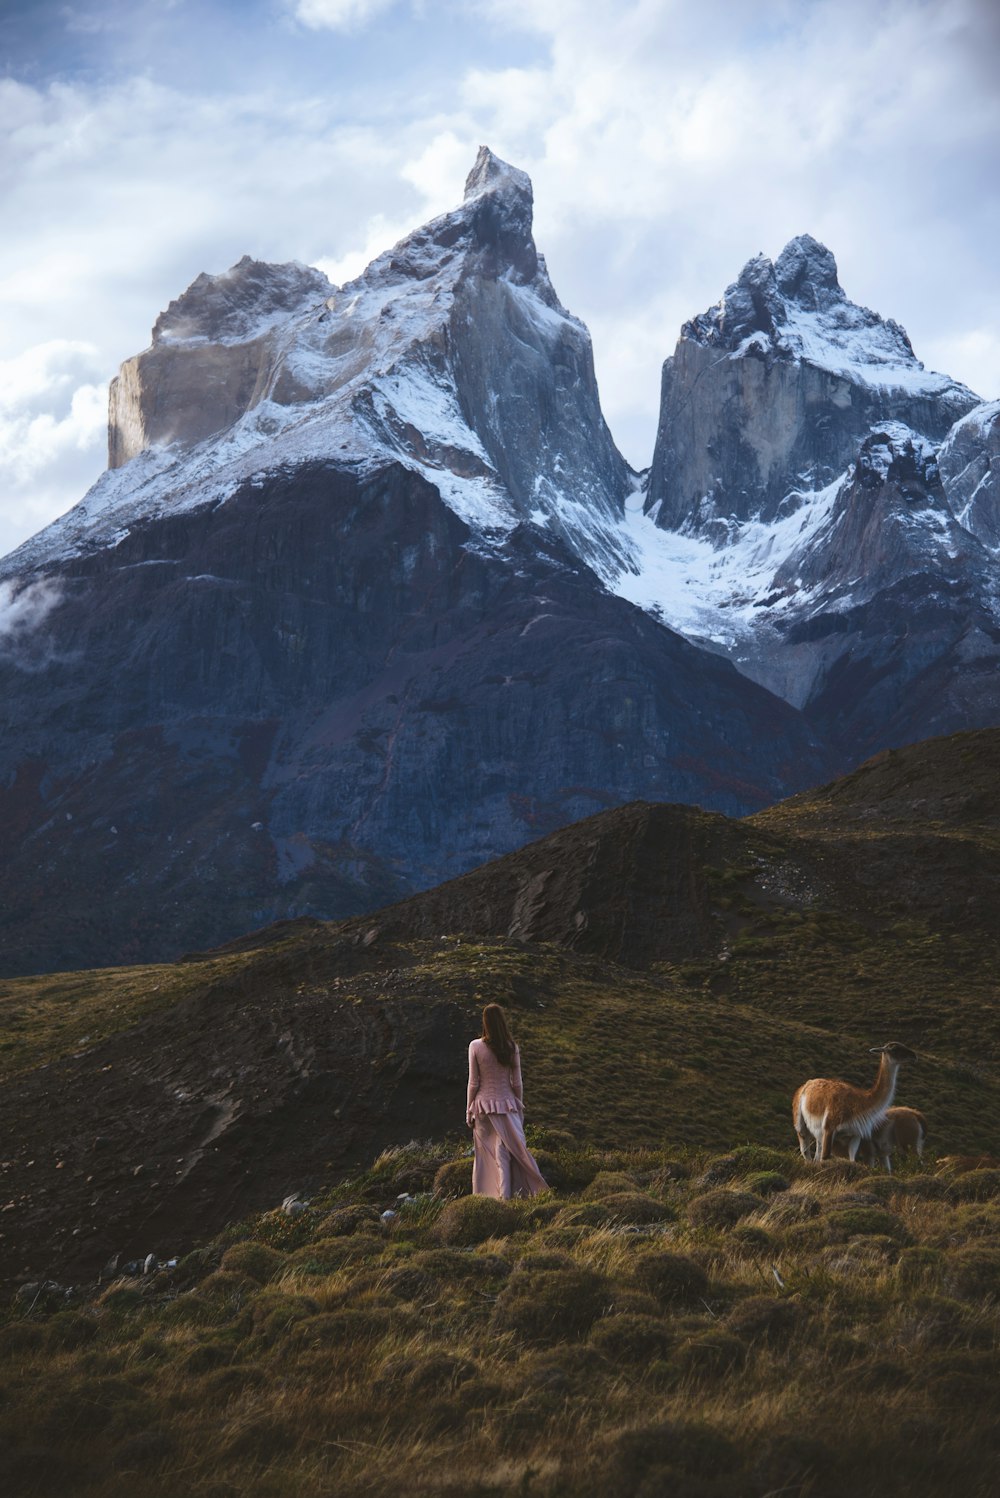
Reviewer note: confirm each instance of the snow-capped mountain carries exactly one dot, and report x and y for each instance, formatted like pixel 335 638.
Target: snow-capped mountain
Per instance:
pixel 339 620
pixel 790 377
pixel 451 354
pixel 825 511
pixel 368 596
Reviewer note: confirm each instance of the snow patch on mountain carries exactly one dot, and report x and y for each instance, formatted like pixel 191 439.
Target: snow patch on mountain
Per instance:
pixel 715 594
pixel 846 341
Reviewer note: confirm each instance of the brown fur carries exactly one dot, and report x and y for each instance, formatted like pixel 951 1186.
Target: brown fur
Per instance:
pixel 902 1129
pixel 823 1108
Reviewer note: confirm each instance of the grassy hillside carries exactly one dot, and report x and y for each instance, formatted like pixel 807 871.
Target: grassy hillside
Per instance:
pixel 672 977
pixel 664 1321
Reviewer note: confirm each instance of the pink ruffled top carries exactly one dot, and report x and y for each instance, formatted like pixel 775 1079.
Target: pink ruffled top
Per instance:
pixel 493 1088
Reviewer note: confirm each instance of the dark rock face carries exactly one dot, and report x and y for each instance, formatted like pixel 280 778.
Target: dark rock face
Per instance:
pixel 890 519
pixel 898 640
pixel 320 696
pixel 772 390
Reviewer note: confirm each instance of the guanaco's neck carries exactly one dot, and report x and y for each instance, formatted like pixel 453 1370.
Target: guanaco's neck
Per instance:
pixel 885 1080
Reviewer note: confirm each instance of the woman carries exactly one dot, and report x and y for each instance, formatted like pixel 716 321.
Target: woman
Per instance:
pixel 503 1164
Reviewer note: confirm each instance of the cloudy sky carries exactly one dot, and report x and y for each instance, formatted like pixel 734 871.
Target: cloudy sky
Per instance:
pixel 668 140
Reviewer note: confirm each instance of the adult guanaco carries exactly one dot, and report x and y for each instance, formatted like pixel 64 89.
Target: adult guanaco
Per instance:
pixel 823 1110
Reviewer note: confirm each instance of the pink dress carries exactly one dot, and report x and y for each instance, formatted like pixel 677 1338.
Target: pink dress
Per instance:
pixel 503 1164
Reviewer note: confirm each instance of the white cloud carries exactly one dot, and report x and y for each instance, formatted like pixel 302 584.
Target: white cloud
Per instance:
pixel 23 610
pixel 669 148
pixel 339 15
pixel 53 431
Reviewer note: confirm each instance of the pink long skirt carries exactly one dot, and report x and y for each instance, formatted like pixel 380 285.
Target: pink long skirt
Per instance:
pixel 503 1165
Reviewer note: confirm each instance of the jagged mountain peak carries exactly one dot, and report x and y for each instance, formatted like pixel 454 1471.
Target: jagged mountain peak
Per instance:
pixel 806 272
pixel 450 353
pixel 795 307
pixel 240 302
pixel 488 234
pixel 490 174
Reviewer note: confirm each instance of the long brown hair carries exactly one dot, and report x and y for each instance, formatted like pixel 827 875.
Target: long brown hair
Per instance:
pixel 497 1034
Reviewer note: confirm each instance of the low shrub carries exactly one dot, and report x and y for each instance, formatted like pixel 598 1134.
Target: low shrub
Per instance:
pixel 122 1295
pixel 71 1329
pixel 674 1279
pixel 327 1255
pixel 976 1220
pixel 255 1260
pixel 631 1207
pixel 473 1219
pixel 919 1266
pixel 709 1355
pixel 348 1327
pixel 793 1206
pixel 631 1338
pixel 790 1462
pixel 583 1215
pixel 975 1186
pixel 226 1285
pixel 838 1172
pixel 552 1168
pixel 229 1382
pixel 719 1171
pixel 676 1457
pixel 764 1318
pixel 767 1182
pixel 19 1337
pixel 452 1264
pixel 847 1222
pixel 433 1372
pixel 927 1188
pixel 342 1221
pixel 972 1273
pixel 930 1320
pixel 753 1239
pixel 208 1356
pixel 867 1251
pixel 538 1259
pixel 454 1179
pixel 195 1265
pixel 609 1183
pixel 722 1209
pixel 274 1313
pixel 144 1451
pixel 409 1282
pixel 552 1139
pixel 551 1305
